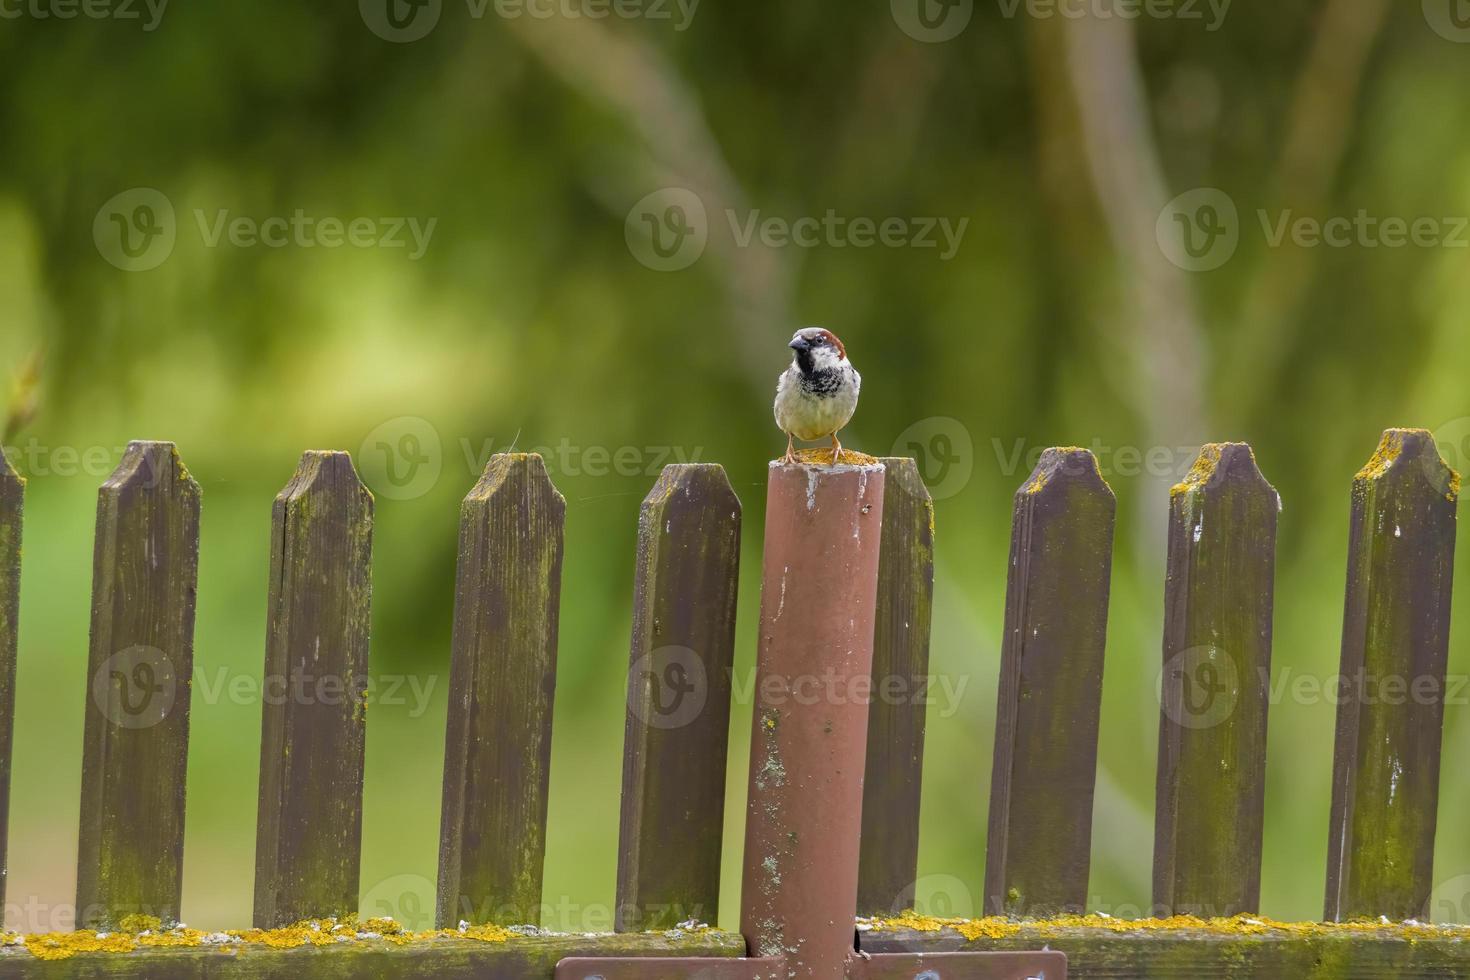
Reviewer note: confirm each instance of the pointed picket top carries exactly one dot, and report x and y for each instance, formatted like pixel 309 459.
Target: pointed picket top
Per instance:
pixel 148 465
pixel 1218 601
pixel 12 505
pixel 309 825
pixel 502 683
pixel 1050 696
pixel 1385 787
pixel 1221 463
pixel 676 732
pixel 1061 466
pixel 1407 453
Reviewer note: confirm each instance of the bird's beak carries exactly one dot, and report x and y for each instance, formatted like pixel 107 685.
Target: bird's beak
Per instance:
pixel 799 344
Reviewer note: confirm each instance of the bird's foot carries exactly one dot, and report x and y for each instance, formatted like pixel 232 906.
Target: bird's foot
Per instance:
pixel 836 451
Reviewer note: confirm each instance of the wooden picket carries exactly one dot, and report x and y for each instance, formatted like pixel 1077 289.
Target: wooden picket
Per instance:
pixel 12 508
pixel 1385 779
pixel 1219 601
pixel 1215 688
pixel 677 732
pixel 309 830
pixel 130 856
pixel 497 765
pixel 1046 721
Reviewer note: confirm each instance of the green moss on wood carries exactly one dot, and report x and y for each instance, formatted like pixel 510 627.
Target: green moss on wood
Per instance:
pixel 1396 630
pixel 502 683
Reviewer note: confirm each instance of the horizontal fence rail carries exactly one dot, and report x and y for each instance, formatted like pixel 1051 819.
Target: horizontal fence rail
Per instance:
pixel 860 536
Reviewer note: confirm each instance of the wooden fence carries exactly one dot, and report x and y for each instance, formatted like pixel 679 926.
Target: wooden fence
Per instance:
pixel 1212 736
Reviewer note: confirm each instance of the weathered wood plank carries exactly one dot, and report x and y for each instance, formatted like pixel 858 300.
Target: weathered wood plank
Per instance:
pixel 314 720
pixel 520 958
pixel 1183 954
pixel 1216 687
pixel 888 866
pixel 1050 697
pixel 676 736
pixel 1395 646
pixel 502 681
pixel 12 508
pixel 130 851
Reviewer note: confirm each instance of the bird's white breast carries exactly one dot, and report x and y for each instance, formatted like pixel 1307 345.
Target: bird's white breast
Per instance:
pixel 809 416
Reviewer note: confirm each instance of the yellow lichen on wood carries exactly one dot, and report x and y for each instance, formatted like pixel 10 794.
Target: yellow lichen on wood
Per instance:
pixel 1001 927
pixel 1390 447
pixel 1204 467
pixel 314 932
pixel 823 457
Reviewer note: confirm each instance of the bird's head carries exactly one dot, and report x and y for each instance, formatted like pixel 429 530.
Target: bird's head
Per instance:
pixel 817 350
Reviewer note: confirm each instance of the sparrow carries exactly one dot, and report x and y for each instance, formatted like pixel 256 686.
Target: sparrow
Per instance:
pixel 817 395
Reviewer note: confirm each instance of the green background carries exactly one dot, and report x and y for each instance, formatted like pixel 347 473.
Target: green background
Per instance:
pixel 529 321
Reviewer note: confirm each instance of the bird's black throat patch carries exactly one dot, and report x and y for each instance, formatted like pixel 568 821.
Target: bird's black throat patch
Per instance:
pixel 823 384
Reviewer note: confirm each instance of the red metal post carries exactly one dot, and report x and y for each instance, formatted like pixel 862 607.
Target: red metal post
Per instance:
pixel 813 682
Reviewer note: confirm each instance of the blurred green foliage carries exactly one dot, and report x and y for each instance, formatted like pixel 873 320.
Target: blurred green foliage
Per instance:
pixel 528 321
